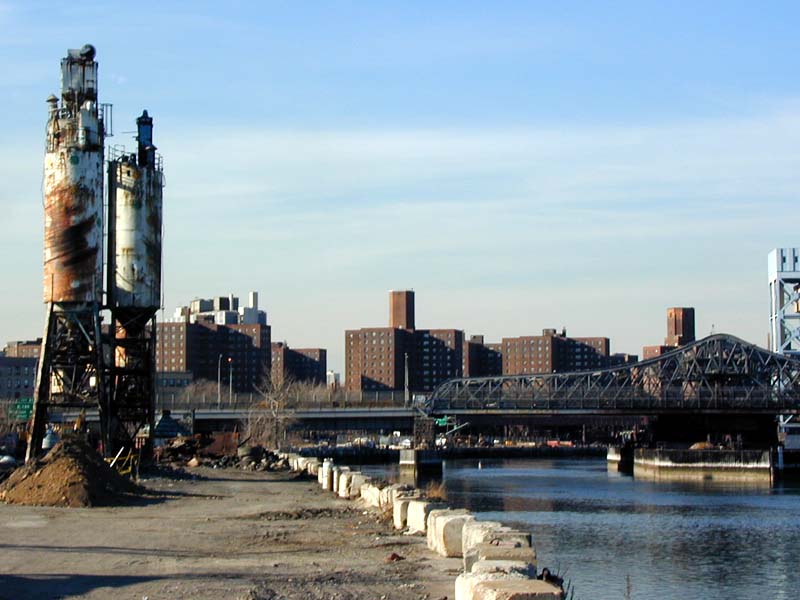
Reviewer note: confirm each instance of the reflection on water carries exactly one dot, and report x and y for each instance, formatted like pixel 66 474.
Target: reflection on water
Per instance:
pixel 675 540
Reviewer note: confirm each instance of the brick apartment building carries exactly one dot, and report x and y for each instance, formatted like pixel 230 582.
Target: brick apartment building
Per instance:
pixel 211 338
pixel 17 376
pixel 680 331
pixel 308 365
pixel 377 358
pixel 553 352
pixel 481 359
pixel 23 349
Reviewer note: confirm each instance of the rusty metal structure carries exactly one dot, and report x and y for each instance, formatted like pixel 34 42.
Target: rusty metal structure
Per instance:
pixel 81 366
pixel 716 375
pixel 135 184
pixel 70 371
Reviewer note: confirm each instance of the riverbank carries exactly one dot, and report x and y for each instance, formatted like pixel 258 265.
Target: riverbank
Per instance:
pixel 224 534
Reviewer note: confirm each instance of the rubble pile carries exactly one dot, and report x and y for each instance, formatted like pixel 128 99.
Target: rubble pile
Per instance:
pixel 196 451
pixel 250 459
pixel 72 474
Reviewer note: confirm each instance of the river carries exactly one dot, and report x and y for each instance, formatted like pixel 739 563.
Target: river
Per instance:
pixel 614 537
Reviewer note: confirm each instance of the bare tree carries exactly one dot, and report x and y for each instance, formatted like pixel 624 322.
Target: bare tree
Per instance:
pixel 202 391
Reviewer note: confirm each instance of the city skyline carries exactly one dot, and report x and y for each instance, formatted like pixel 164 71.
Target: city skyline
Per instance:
pixel 521 168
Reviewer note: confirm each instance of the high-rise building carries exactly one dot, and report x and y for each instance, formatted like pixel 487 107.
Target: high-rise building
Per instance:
pixel 481 359
pixel 680 331
pixel 378 358
pixel 401 309
pixel 214 339
pixel 553 352
pixel 298 364
pixel 680 326
pixel 783 268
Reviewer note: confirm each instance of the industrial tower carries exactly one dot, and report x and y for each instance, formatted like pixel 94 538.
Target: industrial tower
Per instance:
pixel 80 367
pixel 70 371
pixel 135 183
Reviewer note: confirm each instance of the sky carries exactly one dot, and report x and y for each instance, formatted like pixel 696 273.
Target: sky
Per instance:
pixel 520 165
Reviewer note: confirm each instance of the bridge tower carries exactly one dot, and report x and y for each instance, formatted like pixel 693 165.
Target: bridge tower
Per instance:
pixel 70 371
pixel 784 294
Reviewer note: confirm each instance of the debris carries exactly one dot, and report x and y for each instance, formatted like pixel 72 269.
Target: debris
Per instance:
pixel 72 474
pixel 393 557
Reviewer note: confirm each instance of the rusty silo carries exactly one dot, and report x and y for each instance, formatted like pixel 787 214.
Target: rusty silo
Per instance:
pixel 70 372
pixel 135 183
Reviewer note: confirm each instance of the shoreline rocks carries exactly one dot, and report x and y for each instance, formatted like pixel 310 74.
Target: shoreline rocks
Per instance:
pixel 499 562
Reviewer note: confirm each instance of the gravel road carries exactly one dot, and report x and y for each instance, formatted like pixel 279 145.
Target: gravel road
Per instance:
pixel 226 534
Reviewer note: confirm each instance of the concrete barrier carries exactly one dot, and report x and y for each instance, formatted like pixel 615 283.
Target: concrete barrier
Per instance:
pixel 345 481
pixel 312 466
pixel 445 529
pixel 400 512
pixel 466 583
pixel 356 482
pixel 516 589
pixel 498 550
pixel 477 532
pixel 327 477
pixel 519 567
pixel 371 494
pixel 335 471
pixel 417 515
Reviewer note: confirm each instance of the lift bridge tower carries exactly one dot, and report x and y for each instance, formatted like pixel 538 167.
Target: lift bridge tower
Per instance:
pixel 70 372
pixel 784 293
pixel 135 184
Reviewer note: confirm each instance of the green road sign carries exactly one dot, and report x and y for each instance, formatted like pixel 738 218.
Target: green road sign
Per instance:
pixel 21 410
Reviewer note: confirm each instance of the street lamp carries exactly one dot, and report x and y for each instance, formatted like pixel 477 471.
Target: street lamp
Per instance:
pixel 219 373
pixel 230 381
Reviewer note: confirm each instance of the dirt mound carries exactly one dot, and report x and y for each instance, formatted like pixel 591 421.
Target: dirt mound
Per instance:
pixel 71 474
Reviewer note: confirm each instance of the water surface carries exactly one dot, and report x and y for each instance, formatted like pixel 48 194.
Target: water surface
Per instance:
pixel 669 540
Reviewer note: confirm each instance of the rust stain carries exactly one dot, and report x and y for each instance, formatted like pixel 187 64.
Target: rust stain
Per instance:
pixel 71 245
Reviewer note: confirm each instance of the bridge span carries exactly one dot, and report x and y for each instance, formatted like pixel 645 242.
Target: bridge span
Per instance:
pixel 720 374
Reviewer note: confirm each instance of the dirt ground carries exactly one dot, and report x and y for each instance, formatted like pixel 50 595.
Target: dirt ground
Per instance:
pixel 228 534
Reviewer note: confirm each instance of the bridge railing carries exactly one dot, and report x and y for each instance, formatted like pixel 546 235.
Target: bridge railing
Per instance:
pixel 319 400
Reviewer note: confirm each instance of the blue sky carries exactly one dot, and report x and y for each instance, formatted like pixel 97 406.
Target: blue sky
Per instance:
pixel 521 165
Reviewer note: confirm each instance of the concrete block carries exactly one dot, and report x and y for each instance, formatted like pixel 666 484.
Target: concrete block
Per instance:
pixel 312 466
pixel 356 482
pixel 505 566
pixel 477 532
pixel 327 478
pixel 400 512
pixel 466 583
pixel 516 589
pixel 430 525
pixel 445 529
pixel 417 515
pixel 403 491
pixel 335 470
pixel 371 494
pixel 388 494
pixel 345 479
pixel 499 550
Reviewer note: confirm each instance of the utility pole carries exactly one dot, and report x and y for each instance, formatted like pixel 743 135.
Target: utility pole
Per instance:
pixel 407 398
pixel 219 383
pixel 230 381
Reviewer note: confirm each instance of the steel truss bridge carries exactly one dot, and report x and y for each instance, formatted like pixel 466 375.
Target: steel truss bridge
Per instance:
pixel 718 374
